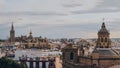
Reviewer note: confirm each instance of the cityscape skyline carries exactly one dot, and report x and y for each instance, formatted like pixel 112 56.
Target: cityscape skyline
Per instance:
pixel 59 18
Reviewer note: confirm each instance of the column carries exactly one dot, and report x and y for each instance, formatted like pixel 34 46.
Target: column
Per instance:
pixel 43 64
pixel 37 62
pixel 31 63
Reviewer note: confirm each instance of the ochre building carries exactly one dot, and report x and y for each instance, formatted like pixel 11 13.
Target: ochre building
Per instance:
pixel 34 42
pixel 102 56
pixel 29 41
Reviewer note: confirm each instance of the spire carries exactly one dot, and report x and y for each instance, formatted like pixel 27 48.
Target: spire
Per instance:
pixel 12 27
pixel 103 24
pixel 103 29
pixel 30 36
pixel 30 32
pixel 12 33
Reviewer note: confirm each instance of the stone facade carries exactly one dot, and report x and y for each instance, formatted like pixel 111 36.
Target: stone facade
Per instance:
pixel 103 40
pixel 103 56
pixel 29 41
pixel 34 42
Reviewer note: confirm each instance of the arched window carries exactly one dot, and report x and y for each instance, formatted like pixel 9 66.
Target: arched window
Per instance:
pixel 71 56
pixel 105 39
pixel 101 39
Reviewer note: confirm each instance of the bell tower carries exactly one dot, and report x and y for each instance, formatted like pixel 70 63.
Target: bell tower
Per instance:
pixel 103 40
pixel 12 34
pixel 30 35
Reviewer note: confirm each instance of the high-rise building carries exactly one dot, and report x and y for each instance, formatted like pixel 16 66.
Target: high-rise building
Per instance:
pixel 12 34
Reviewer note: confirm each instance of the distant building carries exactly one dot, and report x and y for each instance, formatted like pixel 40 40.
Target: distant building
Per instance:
pixel 29 41
pixel 12 34
pixel 33 42
pixel 102 56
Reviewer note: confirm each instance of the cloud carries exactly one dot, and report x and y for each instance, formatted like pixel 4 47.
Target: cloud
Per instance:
pixel 2 2
pixel 93 6
pixel 59 18
pixel 72 5
pixel 32 13
pixel 81 4
pixel 107 10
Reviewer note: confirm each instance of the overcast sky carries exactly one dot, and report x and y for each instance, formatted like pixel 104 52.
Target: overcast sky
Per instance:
pixel 59 18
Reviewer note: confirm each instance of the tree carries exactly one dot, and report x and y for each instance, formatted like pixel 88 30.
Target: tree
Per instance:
pixel 8 63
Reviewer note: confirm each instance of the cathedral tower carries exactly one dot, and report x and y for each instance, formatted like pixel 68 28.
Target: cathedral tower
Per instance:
pixel 30 35
pixel 103 40
pixel 12 34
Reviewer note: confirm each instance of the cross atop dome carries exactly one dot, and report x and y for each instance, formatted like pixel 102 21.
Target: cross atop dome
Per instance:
pixel 103 24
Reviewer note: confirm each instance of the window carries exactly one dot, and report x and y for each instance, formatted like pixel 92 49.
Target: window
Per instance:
pixel 63 55
pixel 105 39
pixel 101 39
pixel 71 56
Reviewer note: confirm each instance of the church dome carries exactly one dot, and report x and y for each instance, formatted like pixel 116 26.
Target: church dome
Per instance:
pixel 103 29
pixel 30 36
